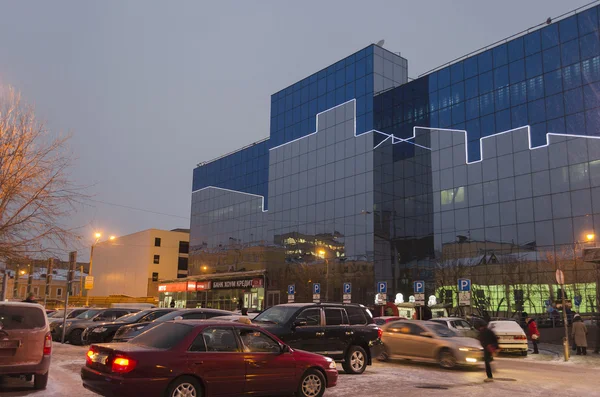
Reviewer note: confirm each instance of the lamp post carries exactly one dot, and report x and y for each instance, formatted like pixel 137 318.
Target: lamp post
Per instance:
pixel 97 236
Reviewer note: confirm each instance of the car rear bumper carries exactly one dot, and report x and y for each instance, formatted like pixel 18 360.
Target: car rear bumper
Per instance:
pixel 109 385
pixel 513 347
pixel 375 350
pixel 332 377
pixel 40 368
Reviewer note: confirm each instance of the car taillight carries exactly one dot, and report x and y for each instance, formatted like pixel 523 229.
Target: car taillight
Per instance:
pixel 379 333
pixel 48 344
pixel 520 337
pixel 89 355
pixel 122 365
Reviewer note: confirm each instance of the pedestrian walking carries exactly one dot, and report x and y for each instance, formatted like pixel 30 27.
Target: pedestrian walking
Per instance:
pixel 172 303
pixel 30 298
pixel 489 341
pixel 534 333
pixel 579 334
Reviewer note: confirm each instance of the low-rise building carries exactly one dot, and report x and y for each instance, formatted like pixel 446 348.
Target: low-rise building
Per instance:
pixel 133 264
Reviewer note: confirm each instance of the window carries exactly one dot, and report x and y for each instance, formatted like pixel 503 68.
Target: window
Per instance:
pixel 36 291
pixel 453 195
pixel 156 259
pixel 59 292
pixel 194 316
pixel 255 341
pixel 198 344
pixel 355 315
pixel 335 317
pixel 311 316
pixel 220 340
pixel 184 247
pixel 157 241
pixel 406 328
pixel 163 336
pixel 182 263
pixel 20 317
pixel 461 324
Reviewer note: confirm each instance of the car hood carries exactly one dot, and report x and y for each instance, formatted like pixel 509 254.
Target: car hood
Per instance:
pixel 465 342
pixel 303 355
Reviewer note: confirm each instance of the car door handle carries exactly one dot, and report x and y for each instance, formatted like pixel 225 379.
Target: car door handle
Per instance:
pixel 320 333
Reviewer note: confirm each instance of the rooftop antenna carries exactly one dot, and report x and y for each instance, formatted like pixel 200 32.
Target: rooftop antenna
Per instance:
pixel 380 43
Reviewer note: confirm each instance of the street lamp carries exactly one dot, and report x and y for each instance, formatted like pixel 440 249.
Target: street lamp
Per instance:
pixel 322 255
pixel 590 236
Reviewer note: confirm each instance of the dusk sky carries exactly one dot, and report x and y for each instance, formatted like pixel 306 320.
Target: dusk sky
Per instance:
pixel 148 89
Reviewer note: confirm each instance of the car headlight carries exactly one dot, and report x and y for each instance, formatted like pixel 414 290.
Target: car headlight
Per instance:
pixel 68 324
pixel 99 329
pixel 470 349
pixel 332 365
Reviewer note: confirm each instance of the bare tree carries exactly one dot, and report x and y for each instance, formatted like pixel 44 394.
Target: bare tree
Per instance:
pixel 35 190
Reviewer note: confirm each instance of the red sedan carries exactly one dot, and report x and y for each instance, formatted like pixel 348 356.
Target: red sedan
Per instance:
pixel 205 358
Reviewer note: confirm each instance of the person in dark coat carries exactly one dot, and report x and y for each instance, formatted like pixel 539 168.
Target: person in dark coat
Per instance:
pixel 30 298
pixel 172 304
pixel 534 334
pixel 489 342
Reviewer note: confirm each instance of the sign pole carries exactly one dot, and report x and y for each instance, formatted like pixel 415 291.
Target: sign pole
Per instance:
pixel 72 263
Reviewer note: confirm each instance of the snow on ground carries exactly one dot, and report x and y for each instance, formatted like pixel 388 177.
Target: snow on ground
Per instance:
pixel 535 375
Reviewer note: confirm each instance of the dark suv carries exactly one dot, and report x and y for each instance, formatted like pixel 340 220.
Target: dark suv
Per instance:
pixel 344 332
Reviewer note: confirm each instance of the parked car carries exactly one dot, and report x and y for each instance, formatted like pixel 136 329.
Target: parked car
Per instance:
pixel 128 332
pixel 511 337
pixel 74 327
pixel 26 344
pixel 382 320
pixel 50 312
pixel 104 332
pixel 344 332
pixel 458 325
pixel 185 358
pixel 71 313
pixel 431 342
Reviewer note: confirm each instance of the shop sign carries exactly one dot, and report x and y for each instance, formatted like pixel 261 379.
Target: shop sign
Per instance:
pixel 191 286
pixel 202 285
pixel 257 283
pixel 173 287
pixel 231 284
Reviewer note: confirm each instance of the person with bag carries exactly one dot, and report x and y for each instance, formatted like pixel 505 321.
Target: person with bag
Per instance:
pixel 579 334
pixel 534 333
pixel 489 342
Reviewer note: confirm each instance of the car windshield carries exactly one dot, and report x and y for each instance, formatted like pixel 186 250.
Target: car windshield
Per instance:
pixel 170 316
pixel 88 314
pixel 163 336
pixel 58 313
pixel 132 317
pixel 276 315
pixel 442 331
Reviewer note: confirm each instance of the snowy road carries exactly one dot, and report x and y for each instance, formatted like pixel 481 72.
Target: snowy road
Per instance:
pixel 543 375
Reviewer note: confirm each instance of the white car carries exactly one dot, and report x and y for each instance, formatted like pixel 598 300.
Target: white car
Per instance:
pixel 511 337
pixel 458 325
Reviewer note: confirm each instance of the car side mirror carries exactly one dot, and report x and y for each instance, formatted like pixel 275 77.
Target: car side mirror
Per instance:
pixel 427 334
pixel 178 318
pixel 300 323
pixel 285 349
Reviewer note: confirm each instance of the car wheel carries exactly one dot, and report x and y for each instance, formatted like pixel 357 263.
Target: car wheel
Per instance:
pixel 186 386
pixel 75 337
pixel 40 381
pixel 312 384
pixel 356 360
pixel 447 359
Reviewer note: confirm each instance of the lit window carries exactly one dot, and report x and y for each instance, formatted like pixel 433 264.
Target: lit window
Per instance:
pixel 453 195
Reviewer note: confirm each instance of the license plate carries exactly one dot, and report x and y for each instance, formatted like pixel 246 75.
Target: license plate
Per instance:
pixel 9 344
pixel 99 358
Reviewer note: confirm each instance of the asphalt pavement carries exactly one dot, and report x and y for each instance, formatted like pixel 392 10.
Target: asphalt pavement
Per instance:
pixel 545 375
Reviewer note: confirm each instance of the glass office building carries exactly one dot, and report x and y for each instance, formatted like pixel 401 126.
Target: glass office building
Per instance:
pixel 487 168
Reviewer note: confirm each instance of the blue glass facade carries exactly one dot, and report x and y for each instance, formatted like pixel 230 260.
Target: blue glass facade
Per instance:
pixel 548 79
pixel 488 167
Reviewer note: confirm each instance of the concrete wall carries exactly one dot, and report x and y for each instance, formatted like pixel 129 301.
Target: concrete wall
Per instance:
pixel 124 266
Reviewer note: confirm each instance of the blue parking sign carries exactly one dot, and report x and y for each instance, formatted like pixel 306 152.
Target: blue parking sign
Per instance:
pixel 382 287
pixel 291 289
pixel 316 288
pixel 347 288
pixel 464 285
pixel 419 287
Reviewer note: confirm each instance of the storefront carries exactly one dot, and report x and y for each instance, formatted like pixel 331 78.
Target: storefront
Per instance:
pixel 228 291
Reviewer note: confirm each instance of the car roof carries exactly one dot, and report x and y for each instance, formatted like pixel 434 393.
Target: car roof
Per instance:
pixel 306 304
pixel 22 304
pixel 448 318
pixel 215 321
